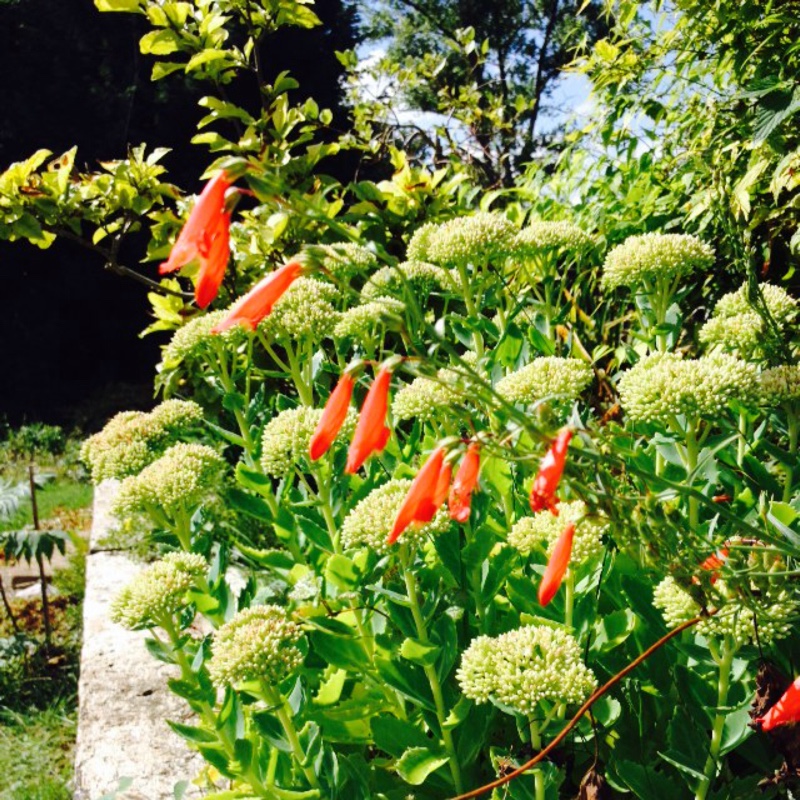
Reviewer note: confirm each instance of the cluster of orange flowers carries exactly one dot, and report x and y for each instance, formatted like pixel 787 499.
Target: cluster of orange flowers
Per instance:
pixel 206 238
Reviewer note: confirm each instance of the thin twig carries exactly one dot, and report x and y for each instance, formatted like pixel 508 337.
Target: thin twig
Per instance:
pixel 581 711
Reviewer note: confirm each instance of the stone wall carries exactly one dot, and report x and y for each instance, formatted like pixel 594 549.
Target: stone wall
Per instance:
pixel 124 701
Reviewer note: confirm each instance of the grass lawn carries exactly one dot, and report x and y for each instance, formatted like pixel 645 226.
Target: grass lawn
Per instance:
pixel 38 694
pixel 58 494
pixel 36 753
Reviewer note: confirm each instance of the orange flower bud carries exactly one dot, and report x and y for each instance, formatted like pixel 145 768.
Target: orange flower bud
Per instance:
pixel 205 237
pixel 371 432
pixel 420 504
pixel 460 501
pixel 557 565
pixel 332 418
pixel 258 302
pixel 543 492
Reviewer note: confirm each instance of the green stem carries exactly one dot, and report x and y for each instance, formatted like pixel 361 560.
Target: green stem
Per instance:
pixel 183 529
pixel 296 371
pixel 275 699
pixel 538 776
pixel 569 599
pixel 794 430
pixel 725 662
pixel 324 497
pixel 692 452
pixel 230 388
pixel 469 302
pixel 430 672
pixel 548 308
pixel 282 365
pixel 475 582
pixel 742 442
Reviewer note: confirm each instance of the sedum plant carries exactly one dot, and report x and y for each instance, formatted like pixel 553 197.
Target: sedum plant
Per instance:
pixel 439 476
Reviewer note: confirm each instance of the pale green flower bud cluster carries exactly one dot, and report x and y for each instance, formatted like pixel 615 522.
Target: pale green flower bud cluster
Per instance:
pixel 774 612
pixel 780 385
pixel 543 529
pixel 541 236
pixel 286 438
pixel 363 320
pixel 158 591
pixel 195 337
pixel 344 260
pixel 742 333
pixel 475 239
pixel 736 325
pixel 133 439
pixel 665 384
pixel 422 278
pixel 523 667
pixel 780 304
pixel 258 644
pixel 424 398
pixel 546 377
pixel 181 479
pixel 372 519
pixel 653 255
pixel 417 249
pixel 304 311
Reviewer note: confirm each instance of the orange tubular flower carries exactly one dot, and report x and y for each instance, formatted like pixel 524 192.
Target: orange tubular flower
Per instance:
pixel 371 432
pixel 713 564
pixel 420 503
pixel 460 502
pixel 557 565
pixel 543 492
pixel 785 711
pixel 258 302
pixel 212 268
pixel 205 237
pixel 332 419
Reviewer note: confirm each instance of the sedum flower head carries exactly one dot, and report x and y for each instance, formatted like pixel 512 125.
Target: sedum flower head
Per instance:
pixel 780 385
pixel 543 530
pixel 422 277
pixel 182 478
pixel 418 245
pixel 424 397
pixel 305 310
pixel 195 337
pixel 158 591
pixel 133 439
pixel 737 325
pixel 476 239
pixel 344 260
pixel 258 644
pixel 521 668
pixel 665 384
pixel 371 521
pixel 541 237
pixel 363 320
pixel 546 377
pixel 287 436
pixel 652 255
pixel 741 333
pixel 774 612
pixel 780 304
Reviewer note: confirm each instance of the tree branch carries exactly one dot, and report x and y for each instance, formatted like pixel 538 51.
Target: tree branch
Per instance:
pixel 112 265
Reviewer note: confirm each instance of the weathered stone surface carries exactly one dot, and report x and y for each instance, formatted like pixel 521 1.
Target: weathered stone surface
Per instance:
pixel 124 701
